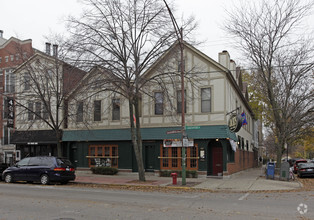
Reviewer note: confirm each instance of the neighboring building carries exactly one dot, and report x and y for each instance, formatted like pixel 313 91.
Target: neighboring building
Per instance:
pixel 13 52
pixel 42 85
pixel 213 92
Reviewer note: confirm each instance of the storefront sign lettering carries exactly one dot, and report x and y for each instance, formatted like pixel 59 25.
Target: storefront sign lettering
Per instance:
pixel 235 123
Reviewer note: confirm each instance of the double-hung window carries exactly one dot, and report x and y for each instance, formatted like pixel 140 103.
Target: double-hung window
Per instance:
pixel 159 103
pixel 79 112
pixel 206 97
pixel 115 109
pixel 37 110
pixel 97 110
pixel 27 84
pixel 9 81
pixel 179 102
pixel 30 111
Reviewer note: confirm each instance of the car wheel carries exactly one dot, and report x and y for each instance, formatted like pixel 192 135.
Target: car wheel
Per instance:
pixel 44 179
pixel 8 178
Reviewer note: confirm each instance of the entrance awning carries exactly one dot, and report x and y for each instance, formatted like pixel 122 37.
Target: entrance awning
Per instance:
pixel 34 137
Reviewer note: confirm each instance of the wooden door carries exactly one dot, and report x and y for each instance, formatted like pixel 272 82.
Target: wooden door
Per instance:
pixel 217 160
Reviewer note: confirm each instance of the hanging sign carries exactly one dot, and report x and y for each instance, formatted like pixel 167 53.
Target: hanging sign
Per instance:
pixel 235 122
pixel 10 106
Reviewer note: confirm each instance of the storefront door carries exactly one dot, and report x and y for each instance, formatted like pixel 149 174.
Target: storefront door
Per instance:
pixel 217 160
pixel 149 158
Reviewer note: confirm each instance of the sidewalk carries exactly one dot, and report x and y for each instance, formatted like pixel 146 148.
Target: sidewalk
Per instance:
pixel 248 180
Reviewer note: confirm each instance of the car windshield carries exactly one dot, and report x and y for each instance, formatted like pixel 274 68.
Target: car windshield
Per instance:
pixel 63 162
pixel 306 165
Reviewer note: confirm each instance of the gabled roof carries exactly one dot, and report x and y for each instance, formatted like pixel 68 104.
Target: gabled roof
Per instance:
pixel 4 42
pixel 208 59
pixel 71 75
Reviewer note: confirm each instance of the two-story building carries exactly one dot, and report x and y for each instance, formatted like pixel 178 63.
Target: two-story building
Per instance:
pixel 100 133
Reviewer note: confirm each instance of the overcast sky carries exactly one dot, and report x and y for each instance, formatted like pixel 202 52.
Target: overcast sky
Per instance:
pixel 35 19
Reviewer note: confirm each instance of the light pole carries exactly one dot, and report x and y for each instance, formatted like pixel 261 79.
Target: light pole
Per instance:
pixel 179 33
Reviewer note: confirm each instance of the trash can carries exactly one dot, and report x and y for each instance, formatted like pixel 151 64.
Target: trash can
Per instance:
pixel 284 171
pixel 174 178
pixel 270 173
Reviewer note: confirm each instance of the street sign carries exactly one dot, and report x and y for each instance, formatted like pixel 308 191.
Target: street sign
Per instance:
pixel 185 142
pixel 192 127
pixel 174 132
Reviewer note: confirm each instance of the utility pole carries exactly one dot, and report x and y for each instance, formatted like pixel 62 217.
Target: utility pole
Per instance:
pixel 179 33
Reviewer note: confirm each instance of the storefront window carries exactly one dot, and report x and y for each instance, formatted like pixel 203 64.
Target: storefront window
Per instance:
pixel 103 155
pixel 174 155
pixel 171 158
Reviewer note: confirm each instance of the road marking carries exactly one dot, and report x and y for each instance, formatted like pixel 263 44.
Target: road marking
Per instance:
pixel 244 196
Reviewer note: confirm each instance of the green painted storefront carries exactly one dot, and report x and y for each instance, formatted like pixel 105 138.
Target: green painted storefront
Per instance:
pixel 77 142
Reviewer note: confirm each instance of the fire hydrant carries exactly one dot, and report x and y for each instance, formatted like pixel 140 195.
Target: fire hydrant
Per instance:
pixel 174 178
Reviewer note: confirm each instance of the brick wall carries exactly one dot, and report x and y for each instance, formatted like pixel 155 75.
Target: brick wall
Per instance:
pixel 242 160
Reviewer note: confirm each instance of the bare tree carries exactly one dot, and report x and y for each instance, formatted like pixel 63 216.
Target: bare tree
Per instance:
pixel 124 37
pixel 282 62
pixel 44 82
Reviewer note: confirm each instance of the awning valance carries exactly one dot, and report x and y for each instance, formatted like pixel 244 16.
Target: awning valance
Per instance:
pixel 202 132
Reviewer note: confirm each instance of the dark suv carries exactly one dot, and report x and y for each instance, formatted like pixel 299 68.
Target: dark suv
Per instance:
pixel 41 169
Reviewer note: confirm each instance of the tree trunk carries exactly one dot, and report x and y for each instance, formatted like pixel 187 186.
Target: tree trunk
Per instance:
pixel 59 147
pixel 137 144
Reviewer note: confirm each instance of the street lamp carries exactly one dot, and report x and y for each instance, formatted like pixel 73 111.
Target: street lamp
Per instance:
pixel 179 33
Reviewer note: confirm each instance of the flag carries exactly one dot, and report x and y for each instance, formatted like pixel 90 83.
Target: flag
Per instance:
pixel 244 122
pixel 134 119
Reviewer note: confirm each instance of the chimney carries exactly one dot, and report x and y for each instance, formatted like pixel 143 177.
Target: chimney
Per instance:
pixel 55 50
pixel 1 33
pixel 224 59
pixel 48 48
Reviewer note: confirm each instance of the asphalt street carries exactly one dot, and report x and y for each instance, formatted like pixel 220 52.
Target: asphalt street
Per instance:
pixel 21 201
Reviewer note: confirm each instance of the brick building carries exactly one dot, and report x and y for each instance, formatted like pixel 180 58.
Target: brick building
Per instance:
pixel 13 52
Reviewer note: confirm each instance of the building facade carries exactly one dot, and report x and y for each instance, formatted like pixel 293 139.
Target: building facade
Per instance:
pixel 100 134
pixel 13 52
pixel 43 83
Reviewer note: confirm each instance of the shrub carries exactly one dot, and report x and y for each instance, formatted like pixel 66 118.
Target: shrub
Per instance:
pixel 104 170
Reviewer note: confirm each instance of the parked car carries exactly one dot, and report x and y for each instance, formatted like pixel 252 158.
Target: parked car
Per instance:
pixel 295 166
pixel 3 166
pixel 41 169
pixel 306 169
pixel 292 161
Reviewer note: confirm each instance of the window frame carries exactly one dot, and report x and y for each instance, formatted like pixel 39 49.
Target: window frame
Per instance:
pixel 98 153
pixel 116 109
pixel 168 159
pixel 79 111
pixel 26 81
pixel 30 111
pixel 179 102
pixel 37 110
pixel 159 103
pixel 205 100
pixel 97 110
